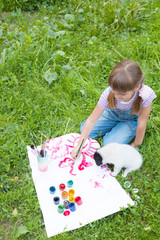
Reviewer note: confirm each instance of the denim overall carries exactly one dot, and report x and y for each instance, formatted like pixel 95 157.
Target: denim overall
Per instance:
pixel 116 126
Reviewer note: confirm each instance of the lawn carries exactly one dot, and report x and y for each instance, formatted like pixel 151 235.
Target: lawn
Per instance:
pixel 54 65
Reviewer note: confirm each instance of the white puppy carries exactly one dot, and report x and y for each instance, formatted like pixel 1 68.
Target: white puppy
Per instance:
pixel 121 155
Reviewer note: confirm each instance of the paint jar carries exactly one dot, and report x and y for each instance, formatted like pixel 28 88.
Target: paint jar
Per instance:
pixel 60 208
pixel 56 200
pixel 70 183
pixel 43 163
pixel 135 190
pixel 72 199
pixel 127 184
pixel 52 189
pixel 71 192
pixel 78 200
pixel 72 207
pixel 62 186
pixel 66 204
pixel 66 213
pixel 137 197
pixel 64 194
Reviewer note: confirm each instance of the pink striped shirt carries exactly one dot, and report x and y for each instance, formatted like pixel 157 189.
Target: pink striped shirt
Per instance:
pixel 146 93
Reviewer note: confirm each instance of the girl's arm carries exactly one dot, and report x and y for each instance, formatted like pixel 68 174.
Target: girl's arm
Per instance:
pixel 142 122
pixel 89 124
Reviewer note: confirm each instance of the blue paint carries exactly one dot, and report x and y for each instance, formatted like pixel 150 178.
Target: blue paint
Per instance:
pixel 52 189
pixel 72 207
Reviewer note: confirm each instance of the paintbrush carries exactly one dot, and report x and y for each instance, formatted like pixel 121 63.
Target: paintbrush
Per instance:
pixel 47 136
pixel 33 139
pixel 80 148
pixel 41 144
pixel 46 143
pixel 35 150
pixel 34 143
pixel 41 138
pixel 42 151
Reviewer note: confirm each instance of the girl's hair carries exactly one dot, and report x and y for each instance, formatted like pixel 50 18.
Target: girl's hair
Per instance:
pixel 125 76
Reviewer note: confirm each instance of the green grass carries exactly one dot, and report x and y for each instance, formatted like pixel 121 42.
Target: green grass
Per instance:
pixel 54 65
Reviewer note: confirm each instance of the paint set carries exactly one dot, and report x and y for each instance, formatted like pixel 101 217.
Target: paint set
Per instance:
pixel 69 201
pixel 41 154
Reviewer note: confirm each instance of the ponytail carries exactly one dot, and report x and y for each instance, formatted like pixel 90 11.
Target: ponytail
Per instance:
pixel 111 101
pixel 136 106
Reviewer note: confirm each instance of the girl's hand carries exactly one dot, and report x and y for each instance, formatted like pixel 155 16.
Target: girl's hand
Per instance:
pixel 141 128
pixel 135 145
pixel 89 124
pixel 78 149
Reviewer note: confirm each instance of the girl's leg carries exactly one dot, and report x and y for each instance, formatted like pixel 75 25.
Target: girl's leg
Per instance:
pixel 105 123
pixel 123 132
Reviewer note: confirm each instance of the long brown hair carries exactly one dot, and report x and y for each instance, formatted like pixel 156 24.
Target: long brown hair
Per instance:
pixel 125 76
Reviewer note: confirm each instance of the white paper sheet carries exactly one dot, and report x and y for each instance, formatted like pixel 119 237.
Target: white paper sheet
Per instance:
pixel 101 193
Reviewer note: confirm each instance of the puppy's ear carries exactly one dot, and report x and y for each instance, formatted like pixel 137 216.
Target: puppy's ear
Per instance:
pixel 98 158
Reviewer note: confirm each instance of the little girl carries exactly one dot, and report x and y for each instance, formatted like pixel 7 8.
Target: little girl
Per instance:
pixel 122 110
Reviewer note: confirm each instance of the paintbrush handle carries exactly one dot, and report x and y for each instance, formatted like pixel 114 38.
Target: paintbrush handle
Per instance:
pixel 79 148
pixel 33 139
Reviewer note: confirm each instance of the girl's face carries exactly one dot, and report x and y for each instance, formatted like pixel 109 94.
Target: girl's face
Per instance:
pixel 124 97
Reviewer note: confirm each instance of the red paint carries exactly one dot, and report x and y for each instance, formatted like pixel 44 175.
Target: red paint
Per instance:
pixel 66 213
pixel 62 186
pixel 78 200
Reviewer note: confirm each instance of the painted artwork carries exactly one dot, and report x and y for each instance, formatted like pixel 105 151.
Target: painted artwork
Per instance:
pixel 99 192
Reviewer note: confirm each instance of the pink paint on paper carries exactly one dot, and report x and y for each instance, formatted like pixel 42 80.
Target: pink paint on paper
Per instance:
pixel 67 162
pixel 106 168
pixel 88 149
pixel 83 163
pixel 97 184
pixel 60 151
pixel 58 148
pixel 54 142
pixel 33 152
